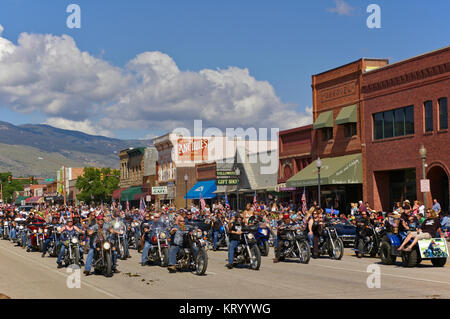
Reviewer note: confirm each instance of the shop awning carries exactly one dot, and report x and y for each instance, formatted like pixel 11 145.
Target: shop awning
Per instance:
pixel 20 199
pixel 129 193
pixel 34 200
pixel 347 114
pixel 117 193
pixel 204 188
pixel 325 119
pixel 335 170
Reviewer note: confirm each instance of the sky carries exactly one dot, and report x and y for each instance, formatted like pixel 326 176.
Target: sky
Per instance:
pixel 139 69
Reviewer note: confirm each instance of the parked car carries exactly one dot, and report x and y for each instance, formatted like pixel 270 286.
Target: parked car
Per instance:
pixel 346 231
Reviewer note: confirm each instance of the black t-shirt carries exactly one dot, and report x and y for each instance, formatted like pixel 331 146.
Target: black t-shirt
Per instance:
pixel 217 224
pixel 430 226
pixel 236 227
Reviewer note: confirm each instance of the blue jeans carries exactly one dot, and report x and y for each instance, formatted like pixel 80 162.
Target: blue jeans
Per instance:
pixel 13 233
pixel 231 248
pixel 61 253
pixel 145 250
pixel 215 238
pixel 311 238
pixel 46 242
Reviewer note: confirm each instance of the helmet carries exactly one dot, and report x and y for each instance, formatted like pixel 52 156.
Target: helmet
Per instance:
pixel 286 216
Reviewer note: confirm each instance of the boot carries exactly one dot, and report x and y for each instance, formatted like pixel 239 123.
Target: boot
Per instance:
pixel 172 269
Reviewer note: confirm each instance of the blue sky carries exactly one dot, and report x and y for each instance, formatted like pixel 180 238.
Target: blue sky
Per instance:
pixel 280 42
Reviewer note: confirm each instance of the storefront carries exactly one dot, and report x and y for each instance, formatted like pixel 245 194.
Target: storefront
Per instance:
pixel 406 107
pixel 340 181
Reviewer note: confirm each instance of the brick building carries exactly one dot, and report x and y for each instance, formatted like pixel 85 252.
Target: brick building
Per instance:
pixel 406 105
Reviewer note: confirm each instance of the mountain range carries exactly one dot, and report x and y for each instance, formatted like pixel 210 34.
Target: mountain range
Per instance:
pixel 21 147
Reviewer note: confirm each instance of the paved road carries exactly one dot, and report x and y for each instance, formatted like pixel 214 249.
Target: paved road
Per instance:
pixel 27 275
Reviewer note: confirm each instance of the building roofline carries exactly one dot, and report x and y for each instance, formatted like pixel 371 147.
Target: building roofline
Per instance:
pixel 417 57
pixel 344 65
pixel 296 129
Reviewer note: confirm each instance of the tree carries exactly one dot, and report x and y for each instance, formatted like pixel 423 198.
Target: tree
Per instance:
pixel 9 189
pixel 93 189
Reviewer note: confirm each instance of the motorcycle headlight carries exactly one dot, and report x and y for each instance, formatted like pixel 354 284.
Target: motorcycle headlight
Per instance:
pixel 21 227
pixel 34 231
pixel 106 245
pixel 264 232
pixel 251 236
pixel 74 240
pixel 162 235
pixel 45 230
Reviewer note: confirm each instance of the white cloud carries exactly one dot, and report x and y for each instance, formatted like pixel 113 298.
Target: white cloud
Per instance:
pixel 85 126
pixel 51 75
pixel 342 8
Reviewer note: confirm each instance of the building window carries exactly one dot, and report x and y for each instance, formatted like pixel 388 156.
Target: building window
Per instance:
pixel 443 113
pixel 398 122
pixel 327 133
pixel 350 129
pixel 428 110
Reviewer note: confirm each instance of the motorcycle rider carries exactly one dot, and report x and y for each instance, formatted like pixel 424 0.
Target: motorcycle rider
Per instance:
pixel 147 235
pixel 177 232
pixel 102 231
pixel 361 223
pixel 235 231
pixel 119 225
pixel 216 223
pixel 66 232
pixel 52 237
pixel 287 222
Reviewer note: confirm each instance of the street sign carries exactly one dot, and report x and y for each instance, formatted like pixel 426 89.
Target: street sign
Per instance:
pixel 49 179
pixel 159 190
pixel 148 198
pixel 424 185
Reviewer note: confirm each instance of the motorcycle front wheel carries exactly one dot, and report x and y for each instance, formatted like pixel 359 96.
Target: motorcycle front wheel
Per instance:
pixel 201 262
pixel 165 257
pixel 108 264
pixel 338 250
pixel 265 249
pixel 255 261
pixel 305 252
pixel 359 248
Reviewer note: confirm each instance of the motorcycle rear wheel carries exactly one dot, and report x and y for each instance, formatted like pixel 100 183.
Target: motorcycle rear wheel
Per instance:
pixel 439 262
pixel 265 250
pixel 359 248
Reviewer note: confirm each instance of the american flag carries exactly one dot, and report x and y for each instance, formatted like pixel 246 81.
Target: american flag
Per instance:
pixel 128 206
pixel 255 203
pixel 142 208
pixel 304 209
pixel 227 204
pixel 202 202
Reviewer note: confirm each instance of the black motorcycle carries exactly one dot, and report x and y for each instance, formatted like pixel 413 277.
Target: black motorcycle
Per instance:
pixel 102 261
pixel 330 243
pixel 72 250
pixel 293 244
pixel 132 235
pixel 186 257
pixel 247 252
pixel 159 249
pixel 368 240
pixel 53 246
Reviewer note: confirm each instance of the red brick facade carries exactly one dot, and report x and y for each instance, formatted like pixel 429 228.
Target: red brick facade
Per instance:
pixel 409 82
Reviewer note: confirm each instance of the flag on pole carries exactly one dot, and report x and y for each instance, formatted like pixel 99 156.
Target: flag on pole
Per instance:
pixel 202 202
pixel 142 208
pixel 128 206
pixel 304 209
pixel 255 204
pixel 227 204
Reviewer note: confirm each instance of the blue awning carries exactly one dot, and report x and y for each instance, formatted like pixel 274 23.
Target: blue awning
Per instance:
pixel 205 188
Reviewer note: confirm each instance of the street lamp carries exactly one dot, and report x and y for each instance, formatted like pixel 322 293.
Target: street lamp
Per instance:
pixel 423 156
pixel 64 176
pixel 318 165
pixel 185 184
pixel 238 172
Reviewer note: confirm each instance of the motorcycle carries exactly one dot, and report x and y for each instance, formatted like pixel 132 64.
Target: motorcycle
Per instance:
pixel 132 235
pixel 293 243
pixel 159 249
pixel 102 261
pixel 330 243
pixel 368 241
pixel 186 257
pixel 262 236
pixel 53 248
pixel 222 238
pixel 119 241
pixel 247 252
pixel 36 236
pixel 72 250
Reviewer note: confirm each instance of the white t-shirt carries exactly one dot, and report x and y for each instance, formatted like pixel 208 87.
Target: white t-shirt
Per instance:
pixel 422 210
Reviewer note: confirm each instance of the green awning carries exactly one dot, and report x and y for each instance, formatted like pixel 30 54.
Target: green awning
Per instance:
pixel 335 170
pixel 20 199
pixel 325 119
pixel 347 114
pixel 129 193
